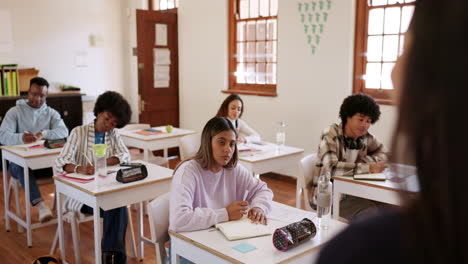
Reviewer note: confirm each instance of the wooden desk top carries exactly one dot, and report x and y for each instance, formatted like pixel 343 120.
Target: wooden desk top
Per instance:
pixel 176 132
pixel 410 184
pixel 267 151
pixel 31 153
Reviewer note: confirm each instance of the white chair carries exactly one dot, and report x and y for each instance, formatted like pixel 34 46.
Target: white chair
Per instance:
pixel 306 166
pixel 158 213
pixel 158 160
pixel 188 146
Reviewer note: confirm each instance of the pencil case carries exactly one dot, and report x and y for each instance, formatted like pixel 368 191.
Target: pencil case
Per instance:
pixel 54 143
pixel 294 234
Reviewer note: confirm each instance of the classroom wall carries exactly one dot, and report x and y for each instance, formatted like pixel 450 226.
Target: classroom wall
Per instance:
pixel 310 87
pixel 74 42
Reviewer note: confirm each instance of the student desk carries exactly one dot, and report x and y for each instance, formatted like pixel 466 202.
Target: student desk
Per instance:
pixel 382 191
pixel 32 158
pixel 211 246
pixel 154 142
pixel 268 158
pixel 109 195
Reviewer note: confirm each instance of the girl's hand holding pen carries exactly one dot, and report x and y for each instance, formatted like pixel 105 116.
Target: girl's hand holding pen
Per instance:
pixel 256 215
pixel 237 209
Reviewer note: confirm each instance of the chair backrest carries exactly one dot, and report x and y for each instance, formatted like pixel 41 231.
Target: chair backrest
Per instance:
pixel 307 165
pixel 135 126
pixel 158 214
pixel 189 145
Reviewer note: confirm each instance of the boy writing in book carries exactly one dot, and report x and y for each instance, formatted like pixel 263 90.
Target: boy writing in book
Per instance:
pixel 31 120
pixel 112 111
pixel 347 148
pixel 210 188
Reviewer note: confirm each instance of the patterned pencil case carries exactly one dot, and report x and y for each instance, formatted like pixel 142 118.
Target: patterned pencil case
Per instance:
pixel 294 234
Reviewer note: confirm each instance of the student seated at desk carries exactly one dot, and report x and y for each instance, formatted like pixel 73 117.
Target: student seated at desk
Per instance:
pixel 348 148
pixel 232 108
pixel 210 188
pixel 31 120
pixel 112 111
pixel 431 134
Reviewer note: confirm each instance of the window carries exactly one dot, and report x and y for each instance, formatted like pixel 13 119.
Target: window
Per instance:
pixel 253 46
pixel 380 28
pixel 158 5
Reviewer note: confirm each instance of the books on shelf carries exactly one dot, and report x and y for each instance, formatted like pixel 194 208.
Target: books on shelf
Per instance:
pixel 243 228
pixel 149 131
pixel 370 177
pixel 9 79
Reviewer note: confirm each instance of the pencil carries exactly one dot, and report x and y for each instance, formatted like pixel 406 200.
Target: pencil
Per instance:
pixel 87 158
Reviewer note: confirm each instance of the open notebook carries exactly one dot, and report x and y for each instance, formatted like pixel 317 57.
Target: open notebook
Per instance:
pixel 370 177
pixel 242 228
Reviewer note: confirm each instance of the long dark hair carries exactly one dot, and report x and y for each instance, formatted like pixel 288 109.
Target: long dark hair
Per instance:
pixel 430 122
pixel 223 109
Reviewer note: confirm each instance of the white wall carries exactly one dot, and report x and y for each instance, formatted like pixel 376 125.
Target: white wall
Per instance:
pixel 51 35
pixel 310 87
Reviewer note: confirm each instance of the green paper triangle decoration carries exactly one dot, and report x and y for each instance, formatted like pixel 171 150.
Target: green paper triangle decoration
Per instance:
pixel 313 17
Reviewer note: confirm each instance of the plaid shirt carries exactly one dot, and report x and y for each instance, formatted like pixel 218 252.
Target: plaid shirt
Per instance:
pixel 332 151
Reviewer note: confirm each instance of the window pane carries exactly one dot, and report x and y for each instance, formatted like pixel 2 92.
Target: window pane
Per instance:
pixel 402 44
pixel 250 73
pixel 271 73
pixel 392 20
pixel 409 1
pixel 241 52
pixel 273 7
pixel 261 73
pixel 374 48
pixel 251 28
pixel 156 5
pixel 376 21
pixel 271 32
pixel 250 56
pixel 391 2
pixel 407 14
pixel 390 48
pixel 386 75
pixel 373 75
pixel 163 4
pixel 271 51
pixel 253 8
pixel 170 4
pixel 241 31
pixel 264 6
pixel 378 2
pixel 261 50
pixel 240 73
pixel 243 9
pixel 261 30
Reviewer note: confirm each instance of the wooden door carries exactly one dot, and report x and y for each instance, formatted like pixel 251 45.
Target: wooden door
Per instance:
pixel 158 75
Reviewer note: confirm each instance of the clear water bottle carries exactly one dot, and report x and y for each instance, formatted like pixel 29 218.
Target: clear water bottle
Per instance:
pixel 280 135
pixel 324 200
pixel 100 164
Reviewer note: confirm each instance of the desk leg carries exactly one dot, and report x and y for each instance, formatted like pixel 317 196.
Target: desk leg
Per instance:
pixel 174 256
pixel 97 234
pixel 336 202
pixel 145 155
pixel 28 205
pixel 141 232
pixel 60 225
pixel 5 193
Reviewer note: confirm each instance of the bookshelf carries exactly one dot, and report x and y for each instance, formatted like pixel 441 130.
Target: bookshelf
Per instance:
pixel 9 80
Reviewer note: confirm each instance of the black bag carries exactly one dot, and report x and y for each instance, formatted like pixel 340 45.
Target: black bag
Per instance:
pixel 294 234
pixel 132 173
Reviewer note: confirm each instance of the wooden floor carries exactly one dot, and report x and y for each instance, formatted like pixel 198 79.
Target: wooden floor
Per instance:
pixel 13 248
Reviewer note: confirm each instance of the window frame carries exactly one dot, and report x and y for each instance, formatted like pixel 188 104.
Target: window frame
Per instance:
pixel 244 88
pixel 381 96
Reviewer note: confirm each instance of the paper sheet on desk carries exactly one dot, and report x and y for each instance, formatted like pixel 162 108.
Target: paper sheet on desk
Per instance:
pixel 288 216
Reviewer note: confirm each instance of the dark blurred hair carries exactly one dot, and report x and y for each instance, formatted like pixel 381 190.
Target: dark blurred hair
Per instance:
pixel 38 81
pixel 431 125
pixel 223 109
pixel 115 104
pixel 204 155
pixel 359 103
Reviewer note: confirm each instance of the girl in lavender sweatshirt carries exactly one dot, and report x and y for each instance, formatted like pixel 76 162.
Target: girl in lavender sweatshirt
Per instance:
pixel 210 187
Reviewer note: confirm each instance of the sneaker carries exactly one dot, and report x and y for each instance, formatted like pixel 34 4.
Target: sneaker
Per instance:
pixel 44 214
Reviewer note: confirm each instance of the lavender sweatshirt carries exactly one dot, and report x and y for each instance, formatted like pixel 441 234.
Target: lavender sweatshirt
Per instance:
pixel 199 197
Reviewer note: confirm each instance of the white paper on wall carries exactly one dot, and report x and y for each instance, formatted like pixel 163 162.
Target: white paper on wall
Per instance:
pixel 161 76
pixel 161 35
pixel 162 56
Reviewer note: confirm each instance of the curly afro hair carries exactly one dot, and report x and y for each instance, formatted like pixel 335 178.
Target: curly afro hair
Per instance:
pixel 115 104
pixel 359 103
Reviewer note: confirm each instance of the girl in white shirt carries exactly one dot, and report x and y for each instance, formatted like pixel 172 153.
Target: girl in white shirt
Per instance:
pixel 232 108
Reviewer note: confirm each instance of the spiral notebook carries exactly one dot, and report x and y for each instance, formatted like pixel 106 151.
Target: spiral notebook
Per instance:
pixel 243 228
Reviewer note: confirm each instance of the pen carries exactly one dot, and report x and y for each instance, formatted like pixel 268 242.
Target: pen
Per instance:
pixel 87 159
pixel 245 195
